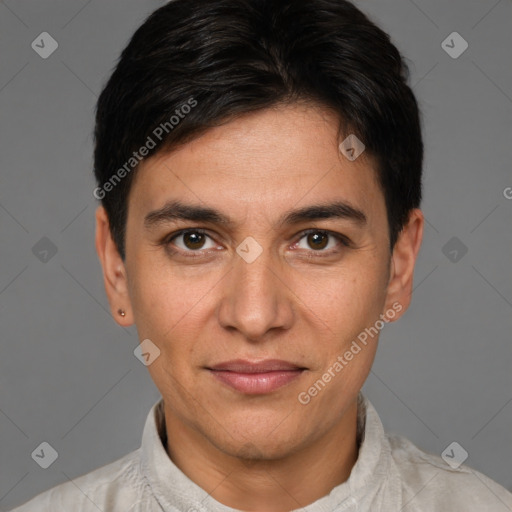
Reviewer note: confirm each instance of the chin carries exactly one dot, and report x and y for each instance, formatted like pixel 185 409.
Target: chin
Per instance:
pixel 260 449
pixel 258 442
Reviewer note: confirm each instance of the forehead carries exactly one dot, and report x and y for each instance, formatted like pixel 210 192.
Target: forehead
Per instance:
pixel 261 163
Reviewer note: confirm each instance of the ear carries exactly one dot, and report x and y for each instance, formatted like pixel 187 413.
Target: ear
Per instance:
pixel 403 259
pixel 114 272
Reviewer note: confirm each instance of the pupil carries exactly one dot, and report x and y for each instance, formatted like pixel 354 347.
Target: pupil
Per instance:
pixel 314 238
pixel 194 240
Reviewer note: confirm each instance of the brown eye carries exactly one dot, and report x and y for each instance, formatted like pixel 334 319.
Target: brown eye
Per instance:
pixel 322 242
pixel 193 240
pixel 318 240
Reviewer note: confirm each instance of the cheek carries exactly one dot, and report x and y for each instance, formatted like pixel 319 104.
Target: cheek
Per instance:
pixel 157 300
pixel 345 298
pixel 350 307
pixel 168 311
pixel 157 289
pixel 171 310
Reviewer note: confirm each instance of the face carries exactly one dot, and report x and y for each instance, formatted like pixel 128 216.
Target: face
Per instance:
pixel 280 251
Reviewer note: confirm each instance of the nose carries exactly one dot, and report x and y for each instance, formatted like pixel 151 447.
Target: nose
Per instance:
pixel 256 298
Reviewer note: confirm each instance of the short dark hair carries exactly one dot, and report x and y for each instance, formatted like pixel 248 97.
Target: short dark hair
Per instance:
pixel 195 64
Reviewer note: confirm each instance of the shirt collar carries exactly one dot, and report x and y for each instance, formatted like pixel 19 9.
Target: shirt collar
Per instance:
pixel 374 479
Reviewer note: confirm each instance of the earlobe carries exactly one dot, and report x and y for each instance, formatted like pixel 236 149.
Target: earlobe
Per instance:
pixel 403 260
pixel 114 271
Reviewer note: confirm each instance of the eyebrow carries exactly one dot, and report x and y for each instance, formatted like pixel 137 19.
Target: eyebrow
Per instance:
pixel 176 210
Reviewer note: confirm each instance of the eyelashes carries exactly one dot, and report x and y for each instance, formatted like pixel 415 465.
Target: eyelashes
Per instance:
pixel 197 242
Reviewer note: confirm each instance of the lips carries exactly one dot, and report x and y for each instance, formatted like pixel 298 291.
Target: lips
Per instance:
pixel 243 366
pixel 256 378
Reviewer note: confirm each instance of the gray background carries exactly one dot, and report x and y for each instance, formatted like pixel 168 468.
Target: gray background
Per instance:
pixel 68 375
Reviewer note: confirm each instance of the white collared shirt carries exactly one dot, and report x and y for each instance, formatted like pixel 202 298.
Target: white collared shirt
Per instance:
pixel 391 474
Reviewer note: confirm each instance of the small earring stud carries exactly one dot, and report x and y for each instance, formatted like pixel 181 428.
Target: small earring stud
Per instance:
pixel 121 312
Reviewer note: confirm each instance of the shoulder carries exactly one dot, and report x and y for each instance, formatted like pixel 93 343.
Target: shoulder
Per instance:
pixel 118 483
pixel 430 483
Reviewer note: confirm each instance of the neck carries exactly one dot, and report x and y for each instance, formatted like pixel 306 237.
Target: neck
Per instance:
pixel 270 485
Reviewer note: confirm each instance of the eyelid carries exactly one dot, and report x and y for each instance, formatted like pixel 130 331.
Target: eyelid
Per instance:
pixel 176 234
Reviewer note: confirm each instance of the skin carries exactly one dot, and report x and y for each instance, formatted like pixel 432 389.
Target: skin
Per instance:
pixel 260 452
